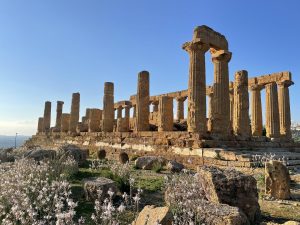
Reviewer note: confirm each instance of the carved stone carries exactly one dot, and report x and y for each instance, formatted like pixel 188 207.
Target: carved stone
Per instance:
pixel 74 116
pixel 221 103
pixel 284 109
pixel 95 116
pixel 241 120
pixel 59 110
pixel 197 87
pixel 47 117
pixel 272 111
pixel 256 110
pixel 142 102
pixel 65 122
pixel 166 117
pixel 108 107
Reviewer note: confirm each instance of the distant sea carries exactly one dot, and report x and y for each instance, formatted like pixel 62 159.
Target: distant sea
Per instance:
pixel 9 141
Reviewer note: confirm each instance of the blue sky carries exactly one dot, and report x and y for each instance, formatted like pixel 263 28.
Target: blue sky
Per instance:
pixel 50 49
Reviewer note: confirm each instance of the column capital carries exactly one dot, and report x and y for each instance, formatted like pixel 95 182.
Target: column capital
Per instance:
pixel 154 102
pixel 285 83
pixel 181 98
pixel 195 46
pixel 221 55
pixel 256 87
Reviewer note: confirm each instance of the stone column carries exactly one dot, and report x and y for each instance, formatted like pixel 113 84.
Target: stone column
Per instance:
pixel 59 110
pixel 272 111
pixel 196 119
pixel 108 108
pixel 65 122
pixel 241 120
pixel 119 112
pixel 74 116
pixel 284 109
pixel 94 120
pixel 165 115
pixel 256 110
pixel 40 125
pixel 47 117
pixel 134 111
pixel 155 106
pixel 210 110
pixel 142 102
pixel 127 117
pixel 221 103
pixel 180 108
pixel 231 100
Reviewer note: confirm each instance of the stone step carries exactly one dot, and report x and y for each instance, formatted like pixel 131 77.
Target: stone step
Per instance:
pixel 293 162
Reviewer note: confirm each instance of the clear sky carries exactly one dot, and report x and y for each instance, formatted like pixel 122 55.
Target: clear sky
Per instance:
pixel 52 48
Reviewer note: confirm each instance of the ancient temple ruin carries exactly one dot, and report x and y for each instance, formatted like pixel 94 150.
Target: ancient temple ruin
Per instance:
pixel 226 124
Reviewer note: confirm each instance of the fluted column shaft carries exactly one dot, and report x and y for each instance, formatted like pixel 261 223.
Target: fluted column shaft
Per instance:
pixel 210 111
pixel 155 106
pixel 284 109
pixel 180 108
pixel 47 117
pixel 256 110
pixel 231 100
pixel 59 110
pixel 272 111
pixel 108 113
pixel 94 120
pixel 74 116
pixel 166 117
pixel 119 112
pixel 40 125
pixel 221 103
pixel 142 102
pixel 196 120
pixel 241 120
pixel 65 122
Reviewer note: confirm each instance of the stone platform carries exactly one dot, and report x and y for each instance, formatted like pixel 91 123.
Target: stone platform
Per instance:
pixel 187 148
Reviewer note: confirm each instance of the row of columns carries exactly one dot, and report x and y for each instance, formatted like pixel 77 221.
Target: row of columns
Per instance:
pixel 278 118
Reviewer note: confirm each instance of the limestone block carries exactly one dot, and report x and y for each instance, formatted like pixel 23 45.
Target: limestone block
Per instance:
pixel 277 180
pixel 148 162
pixel 154 215
pixel 231 187
pixel 94 184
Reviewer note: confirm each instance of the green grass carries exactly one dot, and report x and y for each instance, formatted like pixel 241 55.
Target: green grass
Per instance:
pixel 150 184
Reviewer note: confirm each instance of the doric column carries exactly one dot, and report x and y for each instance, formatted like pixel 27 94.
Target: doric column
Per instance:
pixel 196 120
pixel 40 125
pixel 221 103
pixel 142 102
pixel 74 116
pixel 59 110
pixel 210 110
pixel 165 115
pixel 180 108
pixel 108 108
pixel 284 109
pixel 241 120
pixel 256 110
pixel 47 117
pixel 127 118
pixel 94 120
pixel 272 111
pixel 134 111
pixel 231 100
pixel 155 106
pixel 65 122
pixel 119 112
